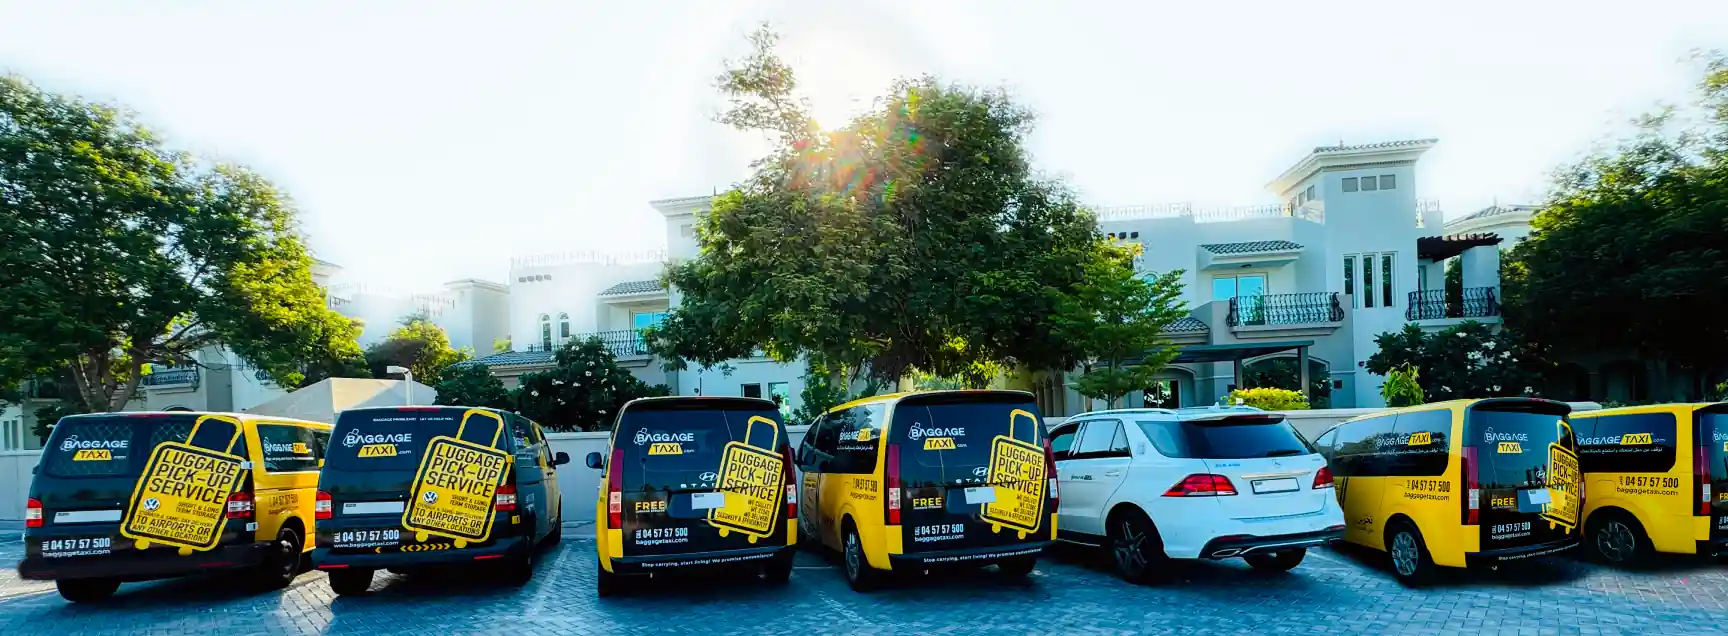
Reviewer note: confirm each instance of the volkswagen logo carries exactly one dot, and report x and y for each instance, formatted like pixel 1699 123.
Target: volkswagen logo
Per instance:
pixel 152 504
pixel 708 477
pixel 431 496
pixel 980 471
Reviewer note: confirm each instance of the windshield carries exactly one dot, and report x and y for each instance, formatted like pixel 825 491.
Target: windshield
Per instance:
pixel 373 440
pixel 1236 437
pixel 949 439
pixel 115 445
pixel 1512 446
pixel 668 447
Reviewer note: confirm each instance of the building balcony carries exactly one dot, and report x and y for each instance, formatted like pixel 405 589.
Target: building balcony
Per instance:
pixel 1468 303
pixel 172 379
pixel 1313 313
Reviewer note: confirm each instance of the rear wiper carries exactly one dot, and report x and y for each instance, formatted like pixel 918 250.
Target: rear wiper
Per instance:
pixel 1285 453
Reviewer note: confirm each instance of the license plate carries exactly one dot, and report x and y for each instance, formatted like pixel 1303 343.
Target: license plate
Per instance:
pixel 84 546
pixel 87 516
pixel 707 500
pixel 373 508
pixel 981 495
pixel 1538 496
pixel 368 538
pixel 1268 486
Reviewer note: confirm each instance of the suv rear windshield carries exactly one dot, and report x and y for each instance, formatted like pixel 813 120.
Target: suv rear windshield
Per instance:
pixel 373 440
pixel 119 445
pixel 1512 445
pixel 1713 435
pixel 1230 437
pixel 674 445
pixel 948 439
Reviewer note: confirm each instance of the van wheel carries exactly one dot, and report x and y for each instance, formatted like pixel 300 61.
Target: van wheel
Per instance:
pixel 348 581
pixel 1411 563
pixel 282 563
pixel 606 583
pixel 519 568
pixel 778 570
pixel 86 590
pixel 1017 567
pixel 1280 561
pixel 1618 539
pixel 859 575
pixel 556 535
pixel 1136 550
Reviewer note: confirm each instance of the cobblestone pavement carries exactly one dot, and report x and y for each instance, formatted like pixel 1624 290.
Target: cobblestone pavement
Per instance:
pixel 1332 592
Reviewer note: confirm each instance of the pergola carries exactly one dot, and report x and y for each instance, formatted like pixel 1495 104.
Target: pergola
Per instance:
pixel 1237 352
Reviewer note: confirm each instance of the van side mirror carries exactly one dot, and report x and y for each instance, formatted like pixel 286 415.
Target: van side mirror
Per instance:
pixel 561 458
pixel 595 462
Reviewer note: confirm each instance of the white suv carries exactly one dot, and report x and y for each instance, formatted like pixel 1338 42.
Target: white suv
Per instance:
pixel 1151 485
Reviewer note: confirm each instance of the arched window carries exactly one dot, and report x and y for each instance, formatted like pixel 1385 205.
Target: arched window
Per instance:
pixel 563 326
pixel 545 332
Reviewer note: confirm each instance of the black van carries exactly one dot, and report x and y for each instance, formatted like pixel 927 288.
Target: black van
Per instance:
pixel 414 486
pixel 695 481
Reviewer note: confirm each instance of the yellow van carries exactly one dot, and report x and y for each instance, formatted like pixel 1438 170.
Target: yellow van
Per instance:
pixel 139 496
pixel 915 481
pixel 1458 484
pixel 1649 475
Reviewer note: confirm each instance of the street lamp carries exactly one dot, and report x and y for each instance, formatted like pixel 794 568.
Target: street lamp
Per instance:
pixel 407 376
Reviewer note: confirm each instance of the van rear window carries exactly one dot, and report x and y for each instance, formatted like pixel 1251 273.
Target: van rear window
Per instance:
pixel 1713 435
pixel 1235 437
pixel 110 446
pixel 949 440
pixel 1512 446
pixel 374 440
pixel 681 448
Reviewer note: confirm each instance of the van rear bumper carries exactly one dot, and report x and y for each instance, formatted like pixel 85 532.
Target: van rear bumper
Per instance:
pixel 647 564
pixel 330 559
pixel 1512 555
pixel 978 556
pixel 144 566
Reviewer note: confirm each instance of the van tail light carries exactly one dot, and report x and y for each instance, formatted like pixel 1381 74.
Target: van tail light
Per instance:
pixel 1472 488
pixel 1323 478
pixel 615 490
pixel 1202 485
pixel 505 499
pixel 1701 474
pixel 893 478
pixel 33 513
pixel 240 505
pixel 1050 476
pixel 323 509
pixel 790 477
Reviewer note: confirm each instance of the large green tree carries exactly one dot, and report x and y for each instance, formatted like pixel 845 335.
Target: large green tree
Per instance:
pixel 1116 317
pixel 582 391
pixel 1466 360
pixel 916 238
pixel 1630 253
pixel 121 252
pixel 473 385
pixel 419 346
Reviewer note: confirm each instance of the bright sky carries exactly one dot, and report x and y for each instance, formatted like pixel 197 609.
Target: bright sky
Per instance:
pixel 431 140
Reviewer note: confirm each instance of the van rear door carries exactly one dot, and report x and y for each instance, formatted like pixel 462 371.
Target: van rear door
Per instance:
pixel 1526 467
pixel 371 463
pixel 700 475
pixel 1712 477
pixel 973 468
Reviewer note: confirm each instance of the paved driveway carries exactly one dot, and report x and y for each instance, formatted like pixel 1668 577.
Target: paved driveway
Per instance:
pixel 1331 592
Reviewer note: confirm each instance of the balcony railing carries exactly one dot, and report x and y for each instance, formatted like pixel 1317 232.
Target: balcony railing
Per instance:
pixel 172 378
pixel 1434 304
pixel 1285 309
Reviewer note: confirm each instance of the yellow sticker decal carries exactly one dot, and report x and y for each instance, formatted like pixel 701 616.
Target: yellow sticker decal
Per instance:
pixel 1511 448
pixel 378 450
pixel 665 448
pixel 939 443
pixel 93 455
pixel 1564 488
pixel 181 498
pixel 751 477
pixel 456 487
pixel 1421 438
pixel 1017 473
pixel 864 434
pixel 1631 439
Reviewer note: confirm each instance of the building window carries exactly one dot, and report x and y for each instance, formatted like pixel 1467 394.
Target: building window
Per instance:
pixel 1350 184
pixel 1310 193
pixel 1368 280
pixel 646 319
pixel 1350 275
pixel 1227 287
pixel 545 332
pixel 781 393
pixel 1386 279
pixel 1388 182
pixel 753 390
pixel 1368 184
pixel 563 326
pixel 686 230
pixel 12 435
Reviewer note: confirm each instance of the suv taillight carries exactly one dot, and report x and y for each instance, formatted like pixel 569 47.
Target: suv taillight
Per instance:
pixel 505 499
pixel 322 509
pixel 1323 478
pixel 1202 485
pixel 1472 489
pixel 33 513
pixel 790 476
pixel 240 505
pixel 893 486
pixel 615 491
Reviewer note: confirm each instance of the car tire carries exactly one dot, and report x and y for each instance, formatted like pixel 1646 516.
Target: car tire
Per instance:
pixel 519 567
pixel 346 581
pixel 1136 551
pixel 1411 563
pixel 1017 567
pixel 859 575
pixel 1616 538
pixel 86 590
pixel 282 562
pixel 556 535
pixel 1280 561
pixel 778 570
pixel 607 584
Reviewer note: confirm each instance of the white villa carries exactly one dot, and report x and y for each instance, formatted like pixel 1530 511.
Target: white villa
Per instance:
pixel 1351 253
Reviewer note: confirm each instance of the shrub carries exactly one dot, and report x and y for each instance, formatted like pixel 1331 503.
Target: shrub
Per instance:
pixel 1403 386
pixel 1269 399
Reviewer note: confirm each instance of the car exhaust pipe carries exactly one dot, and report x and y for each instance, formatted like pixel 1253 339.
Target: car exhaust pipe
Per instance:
pixel 1226 553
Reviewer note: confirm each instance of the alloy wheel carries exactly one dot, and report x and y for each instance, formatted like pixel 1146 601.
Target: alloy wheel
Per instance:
pixel 853 567
pixel 1405 554
pixel 1615 541
pixel 1130 548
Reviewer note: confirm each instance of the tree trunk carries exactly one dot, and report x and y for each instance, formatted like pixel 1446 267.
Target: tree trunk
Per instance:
pixel 124 394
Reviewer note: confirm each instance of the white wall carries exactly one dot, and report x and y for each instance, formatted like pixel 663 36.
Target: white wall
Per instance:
pixel 581 484
pixel 572 289
pixel 16 469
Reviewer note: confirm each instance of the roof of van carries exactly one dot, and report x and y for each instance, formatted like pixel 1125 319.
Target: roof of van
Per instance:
pixel 1450 404
pixel 894 397
pixel 239 416
pixel 1652 408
